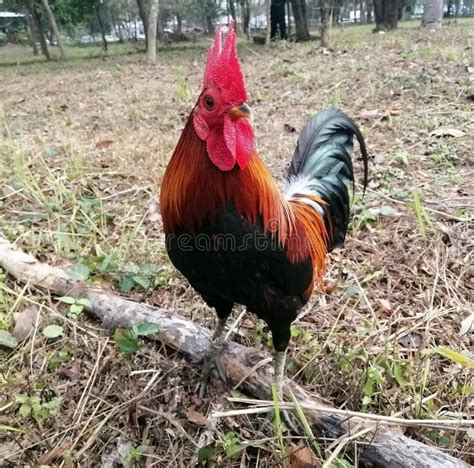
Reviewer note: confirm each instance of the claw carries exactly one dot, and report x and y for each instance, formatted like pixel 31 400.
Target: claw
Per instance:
pixel 210 363
pixel 290 421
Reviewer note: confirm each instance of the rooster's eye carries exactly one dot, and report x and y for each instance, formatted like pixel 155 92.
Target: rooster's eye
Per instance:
pixel 209 103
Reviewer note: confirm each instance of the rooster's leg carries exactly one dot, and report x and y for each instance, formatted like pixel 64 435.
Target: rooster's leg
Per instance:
pixel 210 359
pixel 279 363
pixel 279 366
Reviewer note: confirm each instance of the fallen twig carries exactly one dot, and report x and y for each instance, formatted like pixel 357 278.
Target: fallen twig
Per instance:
pixel 262 406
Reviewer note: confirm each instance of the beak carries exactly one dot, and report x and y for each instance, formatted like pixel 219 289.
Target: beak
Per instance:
pixel 240 111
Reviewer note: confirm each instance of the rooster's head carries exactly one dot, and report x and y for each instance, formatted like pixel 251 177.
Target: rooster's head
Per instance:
pixel 221 116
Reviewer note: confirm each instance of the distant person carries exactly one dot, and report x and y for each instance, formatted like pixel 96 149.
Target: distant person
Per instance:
pixel 277 16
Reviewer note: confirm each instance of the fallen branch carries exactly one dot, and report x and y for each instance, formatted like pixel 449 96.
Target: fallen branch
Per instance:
pixel 263 406
pixel 377 443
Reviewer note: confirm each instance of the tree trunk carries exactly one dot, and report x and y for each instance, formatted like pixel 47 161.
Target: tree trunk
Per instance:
pixel 33 33
pixel 432 14
pixel 288 14
pixel 379 445
pixel 369 11
pixel 245 13
pixel 101 26
pixel 152 28
pixel 179 20
pixel 268 4
pixel 231 7
pixel 386 14
pixel 144 17
pixel 325 9
pixel 210 25
pixel 118 27
pixel 39 29
pixel 54 27
pixel 301 22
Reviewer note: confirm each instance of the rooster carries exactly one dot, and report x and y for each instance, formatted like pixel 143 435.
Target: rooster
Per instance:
pixel 229 230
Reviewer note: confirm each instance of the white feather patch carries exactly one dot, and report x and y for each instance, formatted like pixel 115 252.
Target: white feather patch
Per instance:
pixel 300 185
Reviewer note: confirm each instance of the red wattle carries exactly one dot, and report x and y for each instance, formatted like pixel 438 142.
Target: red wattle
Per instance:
pixel 244 145
pixel 218 151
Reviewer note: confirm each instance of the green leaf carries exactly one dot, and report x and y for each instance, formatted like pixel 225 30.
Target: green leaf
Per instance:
pixel 85 303
pixel 454 356
pixel 352 291
pixel 50 152
pixel 206 453
pixel 366 400
pixel 126 284
pixel 76 309
pixel 125 342
pixel 398 373
pixel 67 299
pixel 7 339
pixel 106 263
pixel 24 410
pixel 22 398
pixel 53 331
pixel 143 281
pixel 78 272
pixel 147 329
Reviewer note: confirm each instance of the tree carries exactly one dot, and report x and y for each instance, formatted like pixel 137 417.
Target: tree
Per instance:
pixel 301 22
pixel 144 17
pixel 432 14
pixel 32 10
pixel 245 11
pixel 386 14
pixel 54 27
pixel 325 10
pixel 151 36
pixel 33 33
pixel 268 4
pixel 97 6
pixel 231 8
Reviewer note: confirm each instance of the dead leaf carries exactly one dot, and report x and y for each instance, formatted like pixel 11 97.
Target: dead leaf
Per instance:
pixel 452 132
pixel 195 400
pixel 379 158
pixel 303 457
pixel 197 418
pixel 467 325
pixel 25 322
pixel 72 372
pixel 55 453
pixel 369 114
pixel 410 341
pixel 153 214
pixel 117 455
pixel 385 305
pixel 103 144
pixel 329 287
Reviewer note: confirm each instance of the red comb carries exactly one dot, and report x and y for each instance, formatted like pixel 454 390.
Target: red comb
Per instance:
pixel 223 67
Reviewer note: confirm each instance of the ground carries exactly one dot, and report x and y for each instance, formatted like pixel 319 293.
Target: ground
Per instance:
pixel 83 147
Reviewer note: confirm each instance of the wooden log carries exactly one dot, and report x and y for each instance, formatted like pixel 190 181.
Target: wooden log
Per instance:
pixel 378 444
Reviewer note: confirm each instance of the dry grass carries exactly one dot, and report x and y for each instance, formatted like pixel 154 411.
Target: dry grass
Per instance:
pixel 83 146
